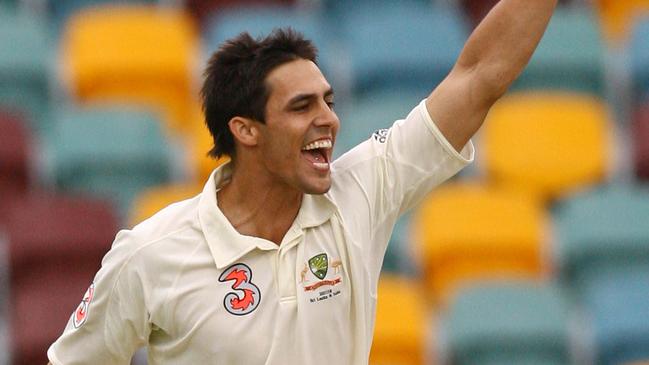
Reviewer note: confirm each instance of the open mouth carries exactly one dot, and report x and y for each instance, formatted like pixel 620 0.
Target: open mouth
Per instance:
pixel 317 153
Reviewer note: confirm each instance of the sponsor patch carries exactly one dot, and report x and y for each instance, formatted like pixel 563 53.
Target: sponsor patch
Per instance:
pixel 246 297
pixel 81 314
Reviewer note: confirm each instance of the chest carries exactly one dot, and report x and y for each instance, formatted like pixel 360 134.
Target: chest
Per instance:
pixel 264 305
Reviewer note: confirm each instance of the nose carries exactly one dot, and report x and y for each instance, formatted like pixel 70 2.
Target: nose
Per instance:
pixel 327 117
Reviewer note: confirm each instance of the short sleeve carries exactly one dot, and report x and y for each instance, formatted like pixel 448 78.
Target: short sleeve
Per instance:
pixel 391 172
pixel 111 321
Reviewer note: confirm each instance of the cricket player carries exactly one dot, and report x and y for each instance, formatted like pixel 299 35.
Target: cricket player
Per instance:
pixel 277 260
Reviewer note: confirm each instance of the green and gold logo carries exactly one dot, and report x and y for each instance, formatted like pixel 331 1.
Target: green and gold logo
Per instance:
pixel 319 264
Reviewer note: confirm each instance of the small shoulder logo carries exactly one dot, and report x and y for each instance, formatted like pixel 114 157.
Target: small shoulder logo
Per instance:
pixel 319 265
pixel 381 135
pixel 246 296
pixel 81 314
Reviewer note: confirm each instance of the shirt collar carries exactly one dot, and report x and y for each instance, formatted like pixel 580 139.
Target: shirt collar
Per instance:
pixel 226 244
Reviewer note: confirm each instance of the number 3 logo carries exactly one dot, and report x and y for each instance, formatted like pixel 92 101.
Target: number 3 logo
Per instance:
pixel 247 296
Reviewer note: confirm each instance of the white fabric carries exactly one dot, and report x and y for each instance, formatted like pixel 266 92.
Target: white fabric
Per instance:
pixel 159 284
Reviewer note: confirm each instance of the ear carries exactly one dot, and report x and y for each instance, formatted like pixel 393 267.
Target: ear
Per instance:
pixel 244 130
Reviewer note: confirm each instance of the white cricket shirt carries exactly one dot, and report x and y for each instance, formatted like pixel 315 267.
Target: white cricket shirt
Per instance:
pixel 186 284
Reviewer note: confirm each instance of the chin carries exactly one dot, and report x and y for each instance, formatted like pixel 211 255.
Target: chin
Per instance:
pixel 317 189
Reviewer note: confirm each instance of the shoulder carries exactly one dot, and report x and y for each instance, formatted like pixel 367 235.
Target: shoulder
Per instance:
pixel 168 235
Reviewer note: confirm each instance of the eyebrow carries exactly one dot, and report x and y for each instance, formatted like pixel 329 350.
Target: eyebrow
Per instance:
pixel 300 97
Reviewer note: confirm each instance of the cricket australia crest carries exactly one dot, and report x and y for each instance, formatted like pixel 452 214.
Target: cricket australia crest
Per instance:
pixel 319 264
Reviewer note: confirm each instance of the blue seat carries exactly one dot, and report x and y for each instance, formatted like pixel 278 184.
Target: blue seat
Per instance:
pixel 570 55
pixel 508 323
pixel 600 231
pixel 639 53
pixel 402 45
pixel 109 152
pixel 25 65
pixel 617 306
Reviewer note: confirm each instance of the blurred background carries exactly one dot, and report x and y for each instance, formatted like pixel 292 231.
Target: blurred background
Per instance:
pixel 536 254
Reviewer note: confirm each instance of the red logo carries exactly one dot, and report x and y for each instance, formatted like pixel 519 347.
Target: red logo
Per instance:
pixel 246 296
pixel 81 314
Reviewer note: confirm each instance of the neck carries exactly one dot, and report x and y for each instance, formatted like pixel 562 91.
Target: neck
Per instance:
pixel 259 208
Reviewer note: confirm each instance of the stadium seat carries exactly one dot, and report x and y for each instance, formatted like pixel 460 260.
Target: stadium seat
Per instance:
pixel 15 152
pixel 641 142
pixel 465 232
pixel 547 144
pixel 569 57
pixel 56 245
pixel 600 231
pixel 508 323
pixel 205 9
pixel 618 16
pixel 25 66
pixel 639 53
pixel 153 199
pixel 112 152
pixel 401 325
pixel 387 52
pixel 617 306
pixel 135 54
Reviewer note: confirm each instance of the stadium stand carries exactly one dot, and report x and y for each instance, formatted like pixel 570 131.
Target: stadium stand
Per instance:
pixel 547 144
pixel 15 153
pixel 400 333
pixel 600 231
pixel 550 143
pixel 135 54
pixel 25 67
pixel 639 53
pixel 400 62
pixel 112 152
pixel 56 244
pixel 467 232
pixel 509 323
pixel 641 142
pixel 617 304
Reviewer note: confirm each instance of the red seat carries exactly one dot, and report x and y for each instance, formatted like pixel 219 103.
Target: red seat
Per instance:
pixel 641 142
pixel 15 149
pixel 55 246
pixel 203 9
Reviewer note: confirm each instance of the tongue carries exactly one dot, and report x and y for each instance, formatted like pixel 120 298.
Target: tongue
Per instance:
pixel 315 156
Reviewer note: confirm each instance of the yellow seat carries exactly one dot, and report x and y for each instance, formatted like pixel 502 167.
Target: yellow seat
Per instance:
pixel 467 232
pixel 200 143
pixel 154 199
pixel 401 320
pixel 618 17
pixel 547 144
pixel 137 53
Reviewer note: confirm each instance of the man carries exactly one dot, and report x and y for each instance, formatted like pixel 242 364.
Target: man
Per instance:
pixel 277 261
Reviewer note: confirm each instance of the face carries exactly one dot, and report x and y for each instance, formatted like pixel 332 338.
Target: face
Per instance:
pixel 296 141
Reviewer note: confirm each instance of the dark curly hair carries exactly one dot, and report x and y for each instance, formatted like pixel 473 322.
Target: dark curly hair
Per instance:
pixel 235 80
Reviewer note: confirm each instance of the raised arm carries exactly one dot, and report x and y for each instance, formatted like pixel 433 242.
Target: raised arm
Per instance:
pixel 493 57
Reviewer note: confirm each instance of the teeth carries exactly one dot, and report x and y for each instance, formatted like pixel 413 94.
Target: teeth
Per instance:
pixel 317 144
